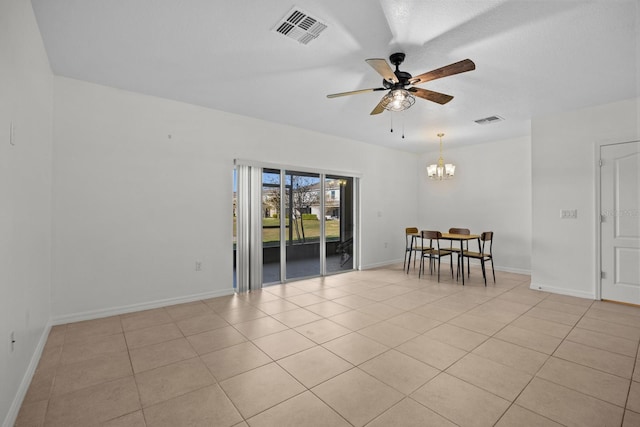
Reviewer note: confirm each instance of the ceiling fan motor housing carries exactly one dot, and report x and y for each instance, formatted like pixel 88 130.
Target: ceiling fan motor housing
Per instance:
pixel 397 58
pixel 403 80
pixel 403 77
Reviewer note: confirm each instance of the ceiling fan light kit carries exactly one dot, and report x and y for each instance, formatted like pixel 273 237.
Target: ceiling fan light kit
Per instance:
pixel 398 100
pixel 400 84
pixel 441 170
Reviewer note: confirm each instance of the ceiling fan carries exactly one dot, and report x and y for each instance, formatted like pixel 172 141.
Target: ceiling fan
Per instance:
pixel 400 97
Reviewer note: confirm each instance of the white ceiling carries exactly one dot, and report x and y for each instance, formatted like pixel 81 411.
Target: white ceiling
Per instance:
pixel 532 58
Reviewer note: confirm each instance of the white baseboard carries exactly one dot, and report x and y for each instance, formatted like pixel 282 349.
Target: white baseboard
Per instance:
pixel 379 264
pixel 14 409
pixel 514 270
pixel 562 291
pixel 113 311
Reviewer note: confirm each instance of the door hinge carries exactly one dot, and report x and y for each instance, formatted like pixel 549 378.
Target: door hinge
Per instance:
pixel 603 275
pixel 600 162
pixel 602 218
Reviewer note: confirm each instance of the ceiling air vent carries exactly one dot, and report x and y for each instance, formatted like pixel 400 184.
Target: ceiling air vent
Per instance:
pixel 299 26
pixel 490 119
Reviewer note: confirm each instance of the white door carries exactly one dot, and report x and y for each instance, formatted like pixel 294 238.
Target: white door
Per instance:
pixel 620 217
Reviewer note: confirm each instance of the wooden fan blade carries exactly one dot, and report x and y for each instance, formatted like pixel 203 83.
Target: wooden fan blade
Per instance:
pixel 448 70
pixel 383 68
pixel 355 92
pixel 379 108
pixel 430 95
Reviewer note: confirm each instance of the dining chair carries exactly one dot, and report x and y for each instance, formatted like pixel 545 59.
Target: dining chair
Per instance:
pixel 484 254
pixel 456 250
pixel 432 252
pixel 411 245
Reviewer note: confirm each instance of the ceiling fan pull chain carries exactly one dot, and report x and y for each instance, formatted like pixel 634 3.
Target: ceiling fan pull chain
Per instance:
pixel 391 120
pixel 402 127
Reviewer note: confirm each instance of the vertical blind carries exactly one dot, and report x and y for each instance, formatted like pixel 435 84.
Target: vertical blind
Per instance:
pixel 249 228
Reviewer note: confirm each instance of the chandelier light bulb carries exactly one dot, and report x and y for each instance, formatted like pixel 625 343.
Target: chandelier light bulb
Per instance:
pixel 441 170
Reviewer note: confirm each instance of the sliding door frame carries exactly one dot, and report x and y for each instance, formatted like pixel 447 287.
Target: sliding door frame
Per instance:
pixel 250 245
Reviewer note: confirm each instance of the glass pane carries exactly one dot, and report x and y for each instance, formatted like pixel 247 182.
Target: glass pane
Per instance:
pixel 302 202
pixel 339 224
pixel 270 226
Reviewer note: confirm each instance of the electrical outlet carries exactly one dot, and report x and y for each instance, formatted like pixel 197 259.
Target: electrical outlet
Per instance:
pixel 568 214
pixel 12 341
pixel 198 265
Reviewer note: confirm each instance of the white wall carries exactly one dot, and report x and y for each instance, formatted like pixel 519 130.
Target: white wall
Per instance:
pixel 491 191
pixel 564 169
pixel 134 209
pixel 25 200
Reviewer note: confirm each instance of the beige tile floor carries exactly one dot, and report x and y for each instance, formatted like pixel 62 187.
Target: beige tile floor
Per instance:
pixel 374 348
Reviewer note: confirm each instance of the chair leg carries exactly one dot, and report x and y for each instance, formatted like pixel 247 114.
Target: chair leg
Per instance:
pixel 438 269
pixel 421 266
pixel 404 264
pixel 493 271
pixel 484 273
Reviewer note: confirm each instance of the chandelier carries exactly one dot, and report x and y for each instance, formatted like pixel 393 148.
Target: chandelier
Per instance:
pixel 441 170
pixel 398 100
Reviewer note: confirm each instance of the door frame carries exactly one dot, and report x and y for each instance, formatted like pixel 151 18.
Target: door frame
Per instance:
pixel 357 177
pixel 598 210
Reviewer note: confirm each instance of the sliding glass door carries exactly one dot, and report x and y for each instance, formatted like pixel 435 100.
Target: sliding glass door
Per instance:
pixel 293 224
pixel 271 199
pixel 302 197
pixel 339 223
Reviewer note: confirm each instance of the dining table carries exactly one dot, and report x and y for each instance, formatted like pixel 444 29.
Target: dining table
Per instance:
pixel 460 238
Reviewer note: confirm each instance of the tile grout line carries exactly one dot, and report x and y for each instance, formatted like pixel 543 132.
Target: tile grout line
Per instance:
pixel 541 366
pixel 533 376
pixel 256 303
pixel 551 355
pixel 467 352
pixel 133 373
pixel 635 366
